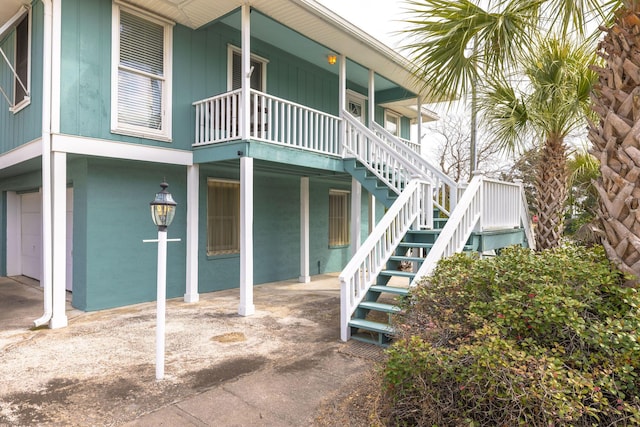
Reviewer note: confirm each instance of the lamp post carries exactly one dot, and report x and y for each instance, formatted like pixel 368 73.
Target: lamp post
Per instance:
pixel 163 209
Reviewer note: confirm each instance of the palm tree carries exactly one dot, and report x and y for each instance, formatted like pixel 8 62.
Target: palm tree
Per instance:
pixel 459 45
pixel 550 103
pixel 615 138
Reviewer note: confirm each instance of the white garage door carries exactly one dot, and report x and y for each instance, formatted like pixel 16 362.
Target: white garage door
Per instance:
pixel 31 234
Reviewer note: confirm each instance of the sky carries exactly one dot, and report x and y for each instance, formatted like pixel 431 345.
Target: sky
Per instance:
pixel 379 18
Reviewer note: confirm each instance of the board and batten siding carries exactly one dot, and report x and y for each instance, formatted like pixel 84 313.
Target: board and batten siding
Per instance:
pixel 25 125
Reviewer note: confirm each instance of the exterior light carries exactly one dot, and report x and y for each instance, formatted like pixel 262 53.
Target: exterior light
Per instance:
pixel 332 58
pixel 163 208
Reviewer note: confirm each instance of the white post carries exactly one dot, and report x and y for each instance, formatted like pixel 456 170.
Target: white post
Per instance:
pixel 356 215
pixel 342 97
pixel 59 242
pixel 372 98
pixel 246 237
pixel 161 302
pixel 372 212
pixel 419 125
pixel 193 181
pixel 246 71
pixel 304 230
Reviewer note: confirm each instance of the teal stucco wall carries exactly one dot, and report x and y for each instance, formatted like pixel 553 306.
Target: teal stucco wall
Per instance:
pixel 112 266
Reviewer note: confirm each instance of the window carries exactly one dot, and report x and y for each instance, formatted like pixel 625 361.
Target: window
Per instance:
pixel 392 122
pixel 339 218
pixel 141 75
pixel 16 59
pixel 20 89
pixel 259 66
pixel 223 217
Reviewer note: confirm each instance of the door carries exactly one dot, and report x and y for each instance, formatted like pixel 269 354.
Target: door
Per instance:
pixel 31 234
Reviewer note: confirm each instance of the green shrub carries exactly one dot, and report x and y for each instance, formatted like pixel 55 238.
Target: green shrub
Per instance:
pixel 525 338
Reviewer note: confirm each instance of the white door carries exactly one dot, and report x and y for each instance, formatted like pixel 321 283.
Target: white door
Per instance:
pixel 31 234
pixel 355 106
pixel 69 239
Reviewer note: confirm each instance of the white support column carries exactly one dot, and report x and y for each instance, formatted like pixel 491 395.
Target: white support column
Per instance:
pixel 372 98
pixel 59 244
pixel 193 181
pixel 356 215
pixel 304 230
pixel 342 97
pixel 372 212
pixel 342 82
pixel 246 72
pixel 419 124
pixel 246 237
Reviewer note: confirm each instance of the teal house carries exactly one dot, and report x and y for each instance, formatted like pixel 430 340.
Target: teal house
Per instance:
pixel 284 133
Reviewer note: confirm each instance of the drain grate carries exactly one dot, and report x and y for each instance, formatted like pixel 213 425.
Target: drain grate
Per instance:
pixel 363 350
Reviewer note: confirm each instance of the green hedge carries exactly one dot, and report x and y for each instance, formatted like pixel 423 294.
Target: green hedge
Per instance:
pixel 524 338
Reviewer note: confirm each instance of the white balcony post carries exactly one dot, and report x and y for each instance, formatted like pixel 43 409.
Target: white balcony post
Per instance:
pixel 246 237
pixel 59 241
pixel 342 97
pixel 193 181
pixel 419 125
pixel 246 72
pixel 372 98
pixel 356 215
pixel 304 230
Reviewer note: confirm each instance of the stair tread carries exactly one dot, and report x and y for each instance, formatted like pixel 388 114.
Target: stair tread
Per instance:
pixel 406 258
pixel 415 245
pixel 380 306
pixel 389 289
pixel 370 325
pixel 399 273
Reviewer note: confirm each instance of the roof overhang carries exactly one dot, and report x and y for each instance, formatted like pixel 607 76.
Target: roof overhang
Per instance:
pixel 9 8
pixel 307 18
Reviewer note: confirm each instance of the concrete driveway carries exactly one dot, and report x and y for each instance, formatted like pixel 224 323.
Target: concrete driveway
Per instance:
pixel 270 369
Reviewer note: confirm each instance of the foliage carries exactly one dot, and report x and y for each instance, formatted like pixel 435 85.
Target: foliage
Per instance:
pixel 524 338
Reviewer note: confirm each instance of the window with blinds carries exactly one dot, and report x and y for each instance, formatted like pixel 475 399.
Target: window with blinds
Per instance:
pixel 22 61
pixel 258 64
pixel 339 218
pixel 223 217
pixel 142 85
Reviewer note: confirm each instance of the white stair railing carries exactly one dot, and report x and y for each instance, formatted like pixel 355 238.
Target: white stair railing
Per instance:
pixel 445 190
pixel 382 160
pixel 486 204
pixel 361 272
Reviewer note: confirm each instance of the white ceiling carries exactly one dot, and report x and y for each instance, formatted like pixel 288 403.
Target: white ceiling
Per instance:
pixel 8 8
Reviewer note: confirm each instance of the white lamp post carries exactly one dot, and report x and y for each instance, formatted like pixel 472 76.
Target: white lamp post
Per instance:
pixel 163 209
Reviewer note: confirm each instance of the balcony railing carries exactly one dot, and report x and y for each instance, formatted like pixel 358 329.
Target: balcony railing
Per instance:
pixel 272 119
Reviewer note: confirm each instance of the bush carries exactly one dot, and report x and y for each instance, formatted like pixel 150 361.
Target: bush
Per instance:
pixel 536 339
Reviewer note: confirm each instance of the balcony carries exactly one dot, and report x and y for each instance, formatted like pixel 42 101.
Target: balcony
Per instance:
pixel 272 120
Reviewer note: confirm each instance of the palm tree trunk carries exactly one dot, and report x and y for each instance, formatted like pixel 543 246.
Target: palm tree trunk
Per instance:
pixel 615 140
pixel 551 189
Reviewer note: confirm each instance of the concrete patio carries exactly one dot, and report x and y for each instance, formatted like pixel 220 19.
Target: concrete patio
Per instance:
pixel 270 369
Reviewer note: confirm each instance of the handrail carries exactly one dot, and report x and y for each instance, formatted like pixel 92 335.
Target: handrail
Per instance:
pixel 362 270
pixel 445 188
pixel 386 163
pixel 486 204
pixel 271 119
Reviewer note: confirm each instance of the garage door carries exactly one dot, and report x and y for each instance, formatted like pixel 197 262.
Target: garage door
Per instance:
pixel 31 234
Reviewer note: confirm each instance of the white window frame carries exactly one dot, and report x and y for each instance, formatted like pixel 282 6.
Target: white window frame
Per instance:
pixel 164 133
pixel 347 219
pixel 12 25
pixel 397 117
pixel 230 251
pixel 358 98
pixel 231 49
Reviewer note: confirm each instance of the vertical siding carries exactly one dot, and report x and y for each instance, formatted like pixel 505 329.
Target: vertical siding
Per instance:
pixel 112 266
pixel 25 125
